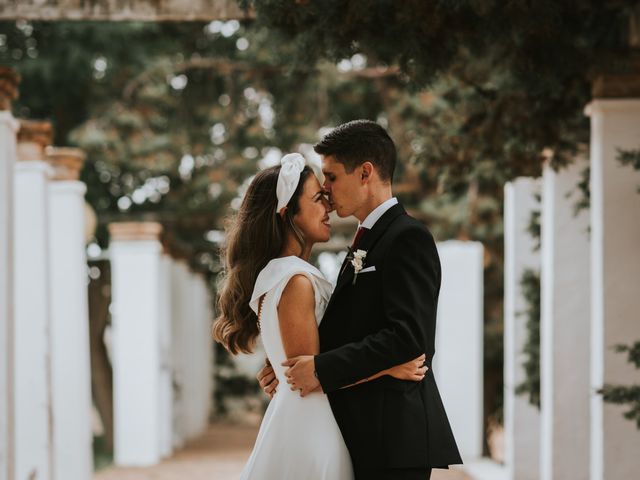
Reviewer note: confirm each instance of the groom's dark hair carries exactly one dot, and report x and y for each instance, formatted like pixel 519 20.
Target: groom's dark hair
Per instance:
pixel 359 141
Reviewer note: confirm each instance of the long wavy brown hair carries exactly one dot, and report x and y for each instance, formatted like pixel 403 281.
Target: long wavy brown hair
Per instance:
pixel 255 236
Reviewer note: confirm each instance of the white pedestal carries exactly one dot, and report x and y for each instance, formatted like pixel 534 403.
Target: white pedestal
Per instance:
pixel 70 359
pixel 33 442
pixel 564 328
pixel 458 362
pixel 8 128
pixel 615 299
pixel 521 419
pixel 136 318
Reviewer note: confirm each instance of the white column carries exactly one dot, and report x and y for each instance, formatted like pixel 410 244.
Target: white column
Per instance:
pixel 204 353
pixel 188 319
pixel 564 327
pixel 196 335
pixel 9 127
pixel 179 349
pixel 521 419
pixel 69 328
pixel 33 442
pixel 136 319
pixel 615 299
pixel 458 362
pixel 166 385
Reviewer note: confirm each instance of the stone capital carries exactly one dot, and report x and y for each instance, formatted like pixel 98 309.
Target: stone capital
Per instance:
pixel 33 137
pixel 67 162
pixel 9 81
pixel 127 231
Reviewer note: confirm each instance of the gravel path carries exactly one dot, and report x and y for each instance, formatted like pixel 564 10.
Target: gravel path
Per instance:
pixel 217 455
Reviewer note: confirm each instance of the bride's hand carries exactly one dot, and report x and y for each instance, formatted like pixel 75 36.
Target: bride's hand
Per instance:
pixel 414 370
pixel 267 379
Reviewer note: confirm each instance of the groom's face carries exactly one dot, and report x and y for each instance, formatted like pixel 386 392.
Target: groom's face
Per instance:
pixel 343 189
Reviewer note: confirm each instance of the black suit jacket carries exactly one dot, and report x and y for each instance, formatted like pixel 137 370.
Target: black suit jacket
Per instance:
pixel 387 318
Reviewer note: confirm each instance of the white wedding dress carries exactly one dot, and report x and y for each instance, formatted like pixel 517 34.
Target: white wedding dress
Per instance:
pixel 299 438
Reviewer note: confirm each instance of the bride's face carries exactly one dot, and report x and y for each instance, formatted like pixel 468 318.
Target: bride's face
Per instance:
pixel 313 216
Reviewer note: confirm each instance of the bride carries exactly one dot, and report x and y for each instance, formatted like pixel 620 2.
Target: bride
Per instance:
pixel 271 289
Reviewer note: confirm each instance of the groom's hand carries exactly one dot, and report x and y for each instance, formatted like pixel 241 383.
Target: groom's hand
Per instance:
pixel 301 374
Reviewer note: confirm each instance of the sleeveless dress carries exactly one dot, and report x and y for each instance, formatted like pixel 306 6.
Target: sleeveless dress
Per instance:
pixel 299 438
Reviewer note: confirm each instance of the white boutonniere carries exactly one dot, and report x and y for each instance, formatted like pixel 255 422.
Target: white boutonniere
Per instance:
pixel 358 263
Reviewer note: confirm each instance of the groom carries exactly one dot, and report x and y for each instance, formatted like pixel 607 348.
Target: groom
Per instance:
pixel 382 313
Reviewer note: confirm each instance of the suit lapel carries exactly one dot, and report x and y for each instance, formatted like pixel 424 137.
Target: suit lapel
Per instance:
pixel 367 243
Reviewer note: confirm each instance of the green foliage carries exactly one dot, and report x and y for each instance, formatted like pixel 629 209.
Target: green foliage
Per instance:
pixel 584 187
pixel 630 158
pixel 626 395
pixel 102 457
pixel 526 65
pixel 530 284
pixel 229 384
pixel 533 227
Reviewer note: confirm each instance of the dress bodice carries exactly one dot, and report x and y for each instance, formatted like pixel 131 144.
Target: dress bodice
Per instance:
pixel 271 282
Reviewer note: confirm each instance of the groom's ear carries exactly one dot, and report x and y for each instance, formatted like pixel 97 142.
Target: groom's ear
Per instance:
pixel 367 170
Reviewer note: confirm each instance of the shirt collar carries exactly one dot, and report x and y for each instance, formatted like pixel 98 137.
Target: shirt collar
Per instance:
pixel 377 212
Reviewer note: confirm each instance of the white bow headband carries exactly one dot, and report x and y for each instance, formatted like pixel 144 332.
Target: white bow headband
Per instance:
pixel 291 167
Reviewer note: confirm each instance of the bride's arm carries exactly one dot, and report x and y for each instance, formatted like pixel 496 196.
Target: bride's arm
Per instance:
pixel 299 330
pixel 297 318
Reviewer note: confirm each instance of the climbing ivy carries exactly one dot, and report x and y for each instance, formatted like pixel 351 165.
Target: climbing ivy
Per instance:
pixel 628 395
pixel 530 386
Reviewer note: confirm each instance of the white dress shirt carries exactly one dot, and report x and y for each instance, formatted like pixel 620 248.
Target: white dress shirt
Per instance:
pixel 377 212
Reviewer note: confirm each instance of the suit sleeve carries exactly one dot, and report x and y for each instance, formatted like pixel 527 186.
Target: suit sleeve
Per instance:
pixel 411 280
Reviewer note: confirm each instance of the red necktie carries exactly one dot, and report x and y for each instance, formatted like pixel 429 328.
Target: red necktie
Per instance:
pixel 356 239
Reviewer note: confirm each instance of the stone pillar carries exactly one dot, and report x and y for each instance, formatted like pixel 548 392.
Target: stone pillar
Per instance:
pixel 615 263
pixel 564 327
pixel 136 287
pixel 33 442
pixel 9 127
pixel 521 419
pixel 458 362
pixel 69 327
